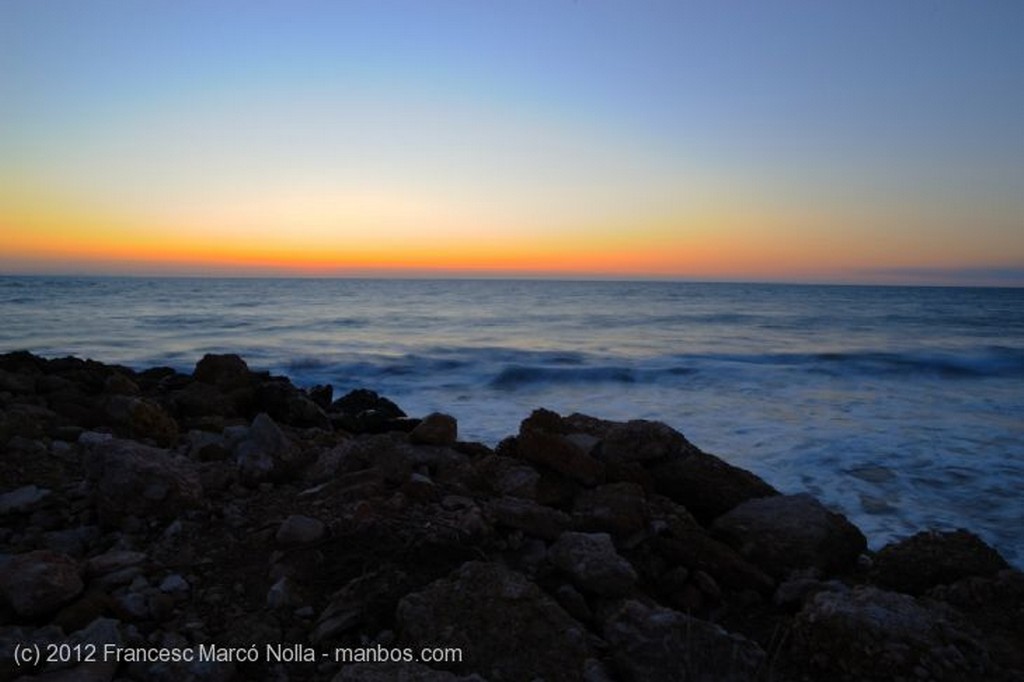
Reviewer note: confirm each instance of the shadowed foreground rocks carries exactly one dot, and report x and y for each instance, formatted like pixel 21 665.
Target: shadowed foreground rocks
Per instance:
pixel 258 531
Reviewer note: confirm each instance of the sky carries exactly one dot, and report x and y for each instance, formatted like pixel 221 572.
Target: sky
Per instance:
pixel 757 141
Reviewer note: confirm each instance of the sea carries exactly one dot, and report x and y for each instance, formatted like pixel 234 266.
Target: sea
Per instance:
pixel 901 407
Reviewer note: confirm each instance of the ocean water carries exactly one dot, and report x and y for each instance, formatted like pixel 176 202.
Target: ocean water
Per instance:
pixel 902 407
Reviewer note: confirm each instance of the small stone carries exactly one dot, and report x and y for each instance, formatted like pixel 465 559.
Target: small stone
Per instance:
pixel 40 582
pixel 174 584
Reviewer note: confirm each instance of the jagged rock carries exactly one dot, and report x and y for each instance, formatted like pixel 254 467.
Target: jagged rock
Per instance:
pixel 322 395
pixel 224 371
pixel 932 558
pixel 364 411
pixel 399 672
pixel 529 517
pixel 435 429
pixel 706 485
pixel 869 634
pixel 40 582
pixel 592 563
pixel 137 480
pixel 786 532
pixel 616 508
pixel 289 405
pixel 654 644
pixel 266 453
pixel 299 530
pixel 504 624
pixel 542 440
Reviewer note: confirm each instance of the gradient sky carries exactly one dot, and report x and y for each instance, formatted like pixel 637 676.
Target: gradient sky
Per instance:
pixel 800 141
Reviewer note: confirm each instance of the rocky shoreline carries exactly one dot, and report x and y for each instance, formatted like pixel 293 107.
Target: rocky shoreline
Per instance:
pixel 245 529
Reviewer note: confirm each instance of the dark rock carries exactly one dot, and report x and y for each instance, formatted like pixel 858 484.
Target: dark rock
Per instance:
pixel 706 485
pixel 137 480
pixel 643 441
pixel 932 558
pixel 23 500
pixel 40 582
pixel 697 551
pixel 322 395
pixel 435 429
pixel 654 644
pixel 267 454
pixel 529 517
pixel 592 563
pixel 870 634
pixel 224 371
pixel 542 440
pixel 504 624
pixel 143 418
pixel 616 508
pixel 508 476
pixel 298 530
pixel 787 532
pixel 397 672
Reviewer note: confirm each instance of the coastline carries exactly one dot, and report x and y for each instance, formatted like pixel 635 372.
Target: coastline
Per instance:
pixel 230 508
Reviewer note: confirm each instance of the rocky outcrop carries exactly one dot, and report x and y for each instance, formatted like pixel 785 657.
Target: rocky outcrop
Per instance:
pixel 226 507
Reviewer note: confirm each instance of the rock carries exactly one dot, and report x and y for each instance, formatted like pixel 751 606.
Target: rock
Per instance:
pixel 508 476
pixel 507 628
pixel 870 634
pixel 592 563
pixel 398 672
pixel 783 533
pixel 224 371
pixel 542 440
pixel 529 517
pixel 300 530
pixel 932 558
pixel 706 485
pixel 363 411
pixel 143 419
pixel 616 508
pixel 266 453
pixel 113 561
pixel 22 500
pixel 640 440
pixel 137 480
pixel 697 551
pixel 322 395
pixel 174 584
pixel 435 429
pixel 655 644
pixel 40 582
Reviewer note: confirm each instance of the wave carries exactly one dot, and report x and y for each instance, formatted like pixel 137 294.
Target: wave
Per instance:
pixel 517 376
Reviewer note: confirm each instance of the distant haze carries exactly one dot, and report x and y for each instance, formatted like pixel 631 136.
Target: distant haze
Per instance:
pixel 870 142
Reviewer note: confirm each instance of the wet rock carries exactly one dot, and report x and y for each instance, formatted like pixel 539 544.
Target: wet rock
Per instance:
pixel 435 429
pixel 592 563
pixel 224 371
pixel 299 530
pixel 529 517
pixel 654 644
pixel 542 440
pixel 40 582
pixel 137 480
pixel 706 485
pixel 870 634
pixel 783 533
pixel 507 628
pixel 933 558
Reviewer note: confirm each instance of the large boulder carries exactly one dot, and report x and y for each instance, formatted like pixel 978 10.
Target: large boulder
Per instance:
pixel 783 533
pixel 507 628
pixel 869 634
pixel 528 516
pixel 641 440
pixel 435 429
pixel 591 562
pixel 932 558
pixel 137 480
pixel 227 371
pixel 655 644
pixel 706 485
pixel 38 583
